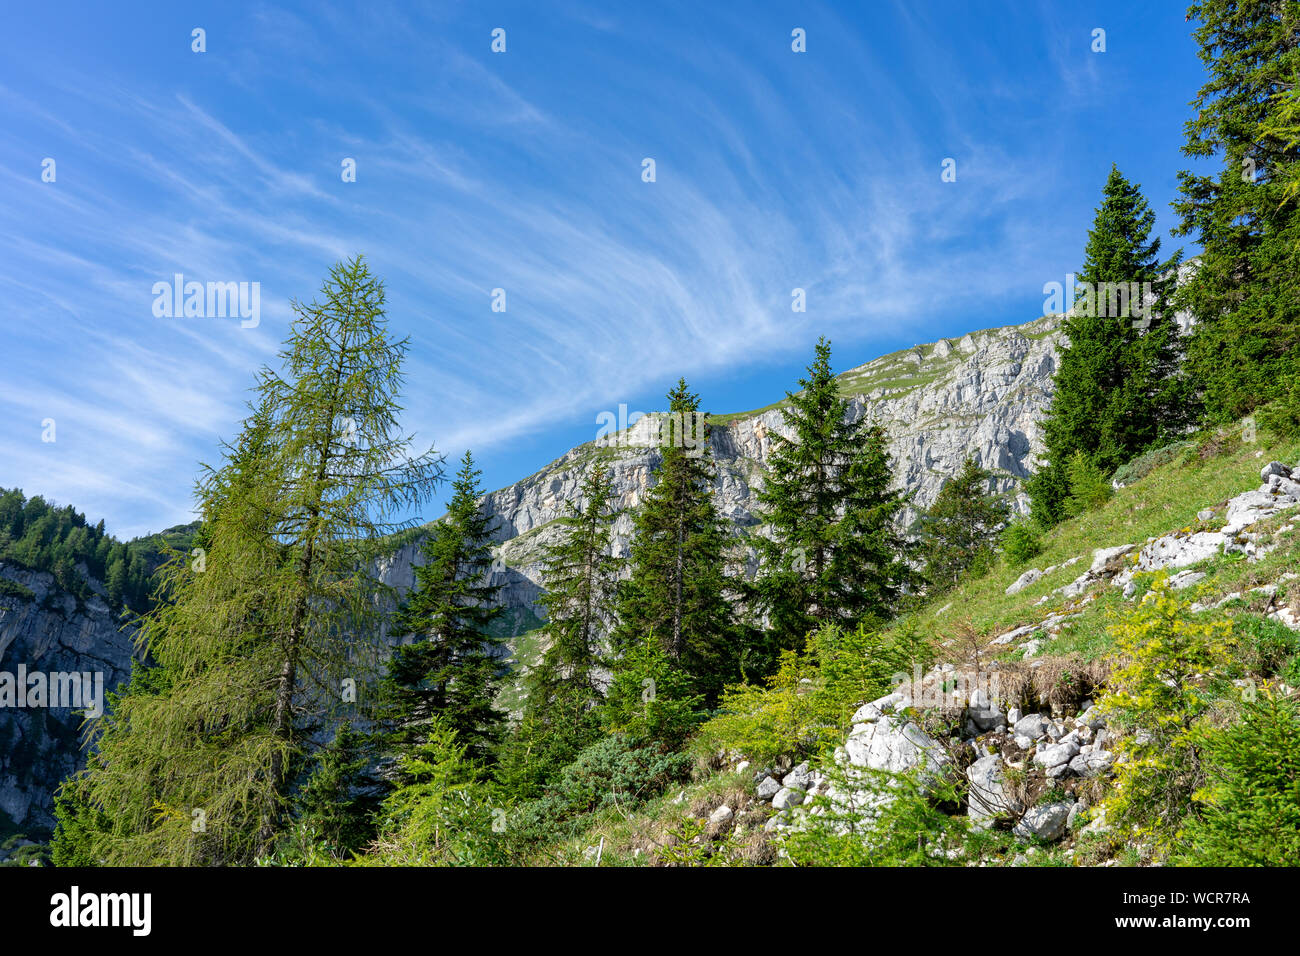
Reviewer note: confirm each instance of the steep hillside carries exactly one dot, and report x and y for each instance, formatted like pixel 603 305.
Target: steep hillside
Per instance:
pixel 982 394
pixel 1003 726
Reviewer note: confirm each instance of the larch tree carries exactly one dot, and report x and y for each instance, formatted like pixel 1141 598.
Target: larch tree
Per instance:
pixel 271 626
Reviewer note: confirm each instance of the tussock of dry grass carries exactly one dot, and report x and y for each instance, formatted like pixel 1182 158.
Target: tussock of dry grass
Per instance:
pixel 1058 682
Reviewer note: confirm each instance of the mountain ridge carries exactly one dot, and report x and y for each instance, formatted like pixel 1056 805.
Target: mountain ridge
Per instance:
pixel 982 393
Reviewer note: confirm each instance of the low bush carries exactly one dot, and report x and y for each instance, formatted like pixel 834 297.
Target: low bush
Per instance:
pixel 1282 417
pixel 1021 543
pixel 1089 486
pixel 1171 673
pixel 810 700
pixel 614 771
pixel 1147 462
pixel 1249 809
pixel 13 589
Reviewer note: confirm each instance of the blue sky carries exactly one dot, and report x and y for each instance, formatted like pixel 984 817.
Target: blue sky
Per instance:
pixel 522 170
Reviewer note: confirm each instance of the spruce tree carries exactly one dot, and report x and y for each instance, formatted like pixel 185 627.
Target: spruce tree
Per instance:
pixel 564 688
pixel 1118 388
pixel 835 554
pixel 678 589
pixel 1245 291
pixel 959 530
pixel 451 670
pixel 580 574
pixel 255 647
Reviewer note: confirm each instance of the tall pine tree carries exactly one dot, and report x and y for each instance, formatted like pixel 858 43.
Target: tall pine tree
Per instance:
pixel 580 575
pixel 1118 388
pixel 835 554
pixel 564 688
pixel 678 587
pixel 1245 292
pixel 452 669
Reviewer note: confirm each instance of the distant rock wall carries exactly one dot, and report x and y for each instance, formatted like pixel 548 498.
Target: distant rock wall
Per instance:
pixel 50 634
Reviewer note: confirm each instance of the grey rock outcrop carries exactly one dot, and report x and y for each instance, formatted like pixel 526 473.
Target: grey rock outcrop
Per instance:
pixel 988 797
pixel 1044 823
pixel 768 788
pixel 50 634
pixel 786 798
pixel 1056 754
pixel 895 744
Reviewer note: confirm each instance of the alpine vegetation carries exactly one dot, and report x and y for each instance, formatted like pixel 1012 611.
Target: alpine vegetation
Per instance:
pixel 1026 595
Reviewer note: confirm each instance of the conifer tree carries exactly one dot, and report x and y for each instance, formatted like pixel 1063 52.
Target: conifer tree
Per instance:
pixel 1245 291
pixel 564 688
pixel 196 767
pixel 678 588
pixel 835 555
pixel 959 530
pixel 1118 388
pixel 580 575
pixel 451 669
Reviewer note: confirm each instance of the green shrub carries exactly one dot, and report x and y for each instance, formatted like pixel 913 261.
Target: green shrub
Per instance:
pixel 13 589
pixel 340 798
pixel 1089 486
pixel 441 815
pixel 1250 807
pixel 650 700
pixel 1171 668
pixel 887 820
pixel 1021 543
pixel 1147 462
pixel 810 700
pixel 1283 416
pixel 1267 647
pixel 614 771
pixel 691 846
pixel 79 827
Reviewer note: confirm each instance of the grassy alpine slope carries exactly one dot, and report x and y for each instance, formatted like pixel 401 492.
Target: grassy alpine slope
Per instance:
pixel 717 817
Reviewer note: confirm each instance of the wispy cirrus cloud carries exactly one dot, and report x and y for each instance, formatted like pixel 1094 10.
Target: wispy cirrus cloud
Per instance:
pixel 521 172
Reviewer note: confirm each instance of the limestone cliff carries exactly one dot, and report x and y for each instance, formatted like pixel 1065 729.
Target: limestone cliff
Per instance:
pixel 44 630
pixel 982 394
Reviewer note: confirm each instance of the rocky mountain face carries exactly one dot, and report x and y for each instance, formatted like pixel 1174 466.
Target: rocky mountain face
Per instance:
pixel 45 631
pixel 983 394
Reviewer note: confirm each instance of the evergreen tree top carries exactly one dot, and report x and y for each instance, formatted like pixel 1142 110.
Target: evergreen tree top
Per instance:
pixel 1120 247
